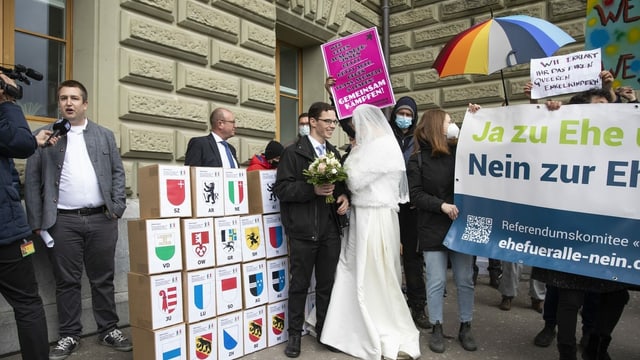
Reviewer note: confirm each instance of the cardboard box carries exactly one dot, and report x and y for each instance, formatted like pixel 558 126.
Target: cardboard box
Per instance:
pixel 262 199
pixel 228 238
pixel 230 336
pixel 198 244
pixel 202 340
pixel 155 301
pixel 278 275
pixel 254 290
pixel 228 289
pixel 207 192
pixel 164 191
pixel 154 246
pixel 278 323
pixel 255 334
pixel 199 294
pixel 236 194
pixel 252 243
pixel 168 343
pixel 275 238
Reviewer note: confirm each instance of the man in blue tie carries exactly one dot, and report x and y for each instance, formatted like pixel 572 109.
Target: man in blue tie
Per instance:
pixel 312 225
pixel 214 150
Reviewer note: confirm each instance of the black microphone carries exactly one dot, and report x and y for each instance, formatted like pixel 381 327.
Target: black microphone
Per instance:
pixel 60 128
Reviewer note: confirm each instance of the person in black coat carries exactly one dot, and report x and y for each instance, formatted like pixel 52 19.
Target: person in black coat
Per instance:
pixel 312 225
pixel 17 276
pixel 214 150
pixel 430 173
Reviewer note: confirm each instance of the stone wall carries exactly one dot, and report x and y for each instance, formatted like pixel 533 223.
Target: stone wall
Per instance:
pixel 156 68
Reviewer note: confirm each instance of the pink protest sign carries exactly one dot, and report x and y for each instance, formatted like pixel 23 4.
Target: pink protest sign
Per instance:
pixel 357 63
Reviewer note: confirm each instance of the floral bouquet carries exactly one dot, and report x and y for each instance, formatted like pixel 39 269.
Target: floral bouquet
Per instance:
pixel 325 169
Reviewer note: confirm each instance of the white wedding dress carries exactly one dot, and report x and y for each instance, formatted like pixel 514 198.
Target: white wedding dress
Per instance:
pixel 368 316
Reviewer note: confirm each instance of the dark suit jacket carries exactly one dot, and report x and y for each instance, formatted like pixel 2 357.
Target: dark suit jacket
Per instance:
pixel 203 151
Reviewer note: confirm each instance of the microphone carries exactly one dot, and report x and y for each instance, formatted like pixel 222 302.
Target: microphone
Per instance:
pixel 60 128
pixel 35 75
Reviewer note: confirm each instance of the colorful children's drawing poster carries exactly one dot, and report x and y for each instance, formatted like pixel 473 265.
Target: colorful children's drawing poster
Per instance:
pixel 614 26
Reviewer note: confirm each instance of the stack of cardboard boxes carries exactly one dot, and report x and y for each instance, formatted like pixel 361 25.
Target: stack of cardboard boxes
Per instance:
pixel 209 267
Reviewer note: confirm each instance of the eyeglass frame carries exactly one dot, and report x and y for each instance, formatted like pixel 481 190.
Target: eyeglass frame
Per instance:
pixel 335 122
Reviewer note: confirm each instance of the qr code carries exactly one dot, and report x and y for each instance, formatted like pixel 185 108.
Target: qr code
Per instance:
pixel 478 229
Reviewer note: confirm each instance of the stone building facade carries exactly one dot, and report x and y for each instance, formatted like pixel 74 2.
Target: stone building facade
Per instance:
pixel 155 69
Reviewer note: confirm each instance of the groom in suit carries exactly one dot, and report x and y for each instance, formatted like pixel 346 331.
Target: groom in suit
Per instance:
pixel 213 149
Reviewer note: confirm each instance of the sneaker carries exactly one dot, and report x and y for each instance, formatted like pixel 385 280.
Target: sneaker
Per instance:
pixel 505 304
pixel 420 318
pixel 545 336
pixel 117 341
pixel 64 348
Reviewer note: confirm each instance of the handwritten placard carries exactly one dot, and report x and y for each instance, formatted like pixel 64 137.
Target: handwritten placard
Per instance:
pixel 357 63
pixel 565 74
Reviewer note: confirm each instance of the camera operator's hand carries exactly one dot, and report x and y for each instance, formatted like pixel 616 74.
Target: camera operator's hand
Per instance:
pixel 43 136
pixel 9 81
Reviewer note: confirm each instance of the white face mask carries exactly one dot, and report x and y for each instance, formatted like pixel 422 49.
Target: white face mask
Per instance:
pixel 453 131
pixel 303 130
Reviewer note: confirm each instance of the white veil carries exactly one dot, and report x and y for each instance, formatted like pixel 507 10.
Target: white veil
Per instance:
pixel 375 154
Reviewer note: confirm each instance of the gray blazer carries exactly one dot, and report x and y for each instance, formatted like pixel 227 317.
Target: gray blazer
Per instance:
pixel 42 176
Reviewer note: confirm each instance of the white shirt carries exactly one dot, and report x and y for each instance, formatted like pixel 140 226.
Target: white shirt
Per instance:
pixel 315 145
pixel 223 151
pixel 78 181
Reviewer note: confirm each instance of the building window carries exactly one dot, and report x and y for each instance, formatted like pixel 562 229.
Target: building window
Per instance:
pixel 289 90
pixel 37 34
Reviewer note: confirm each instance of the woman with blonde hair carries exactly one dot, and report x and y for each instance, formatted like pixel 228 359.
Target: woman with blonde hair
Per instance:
pixel 430 173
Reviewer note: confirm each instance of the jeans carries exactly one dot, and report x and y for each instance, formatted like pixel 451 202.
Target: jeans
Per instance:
pixel 462 267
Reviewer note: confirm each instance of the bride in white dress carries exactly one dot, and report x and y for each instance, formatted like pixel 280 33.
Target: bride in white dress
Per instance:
pixel 368 316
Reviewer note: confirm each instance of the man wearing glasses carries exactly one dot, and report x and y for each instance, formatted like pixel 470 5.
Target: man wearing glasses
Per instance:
pixel 213 150
pixel 312 225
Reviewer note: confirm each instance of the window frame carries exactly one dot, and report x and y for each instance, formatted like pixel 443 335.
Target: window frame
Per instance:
pixel 8 30
pixel 279 94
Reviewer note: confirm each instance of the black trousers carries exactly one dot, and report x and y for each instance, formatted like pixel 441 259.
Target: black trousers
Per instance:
pixel 304 256
pixel 84 242
pixel 412 259
pixel 19 287
pixel 609 309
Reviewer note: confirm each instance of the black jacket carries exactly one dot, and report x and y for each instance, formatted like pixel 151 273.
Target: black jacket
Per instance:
pixel 430 185
pixel 300 208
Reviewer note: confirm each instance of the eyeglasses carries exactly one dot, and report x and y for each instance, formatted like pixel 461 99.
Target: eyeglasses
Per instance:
pixel 329 121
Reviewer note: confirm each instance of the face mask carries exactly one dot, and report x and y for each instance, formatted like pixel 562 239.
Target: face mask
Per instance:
pixel 453 131
pixel 303 130
pixel 403 122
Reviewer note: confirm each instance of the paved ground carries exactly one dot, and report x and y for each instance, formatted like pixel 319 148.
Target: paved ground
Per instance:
pixel 500 335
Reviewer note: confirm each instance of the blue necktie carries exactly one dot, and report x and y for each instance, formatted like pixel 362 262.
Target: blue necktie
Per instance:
pixel 229 155
pixel 320 149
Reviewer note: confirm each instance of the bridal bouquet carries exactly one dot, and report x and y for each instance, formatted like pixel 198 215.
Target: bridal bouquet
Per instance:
pixel 325 169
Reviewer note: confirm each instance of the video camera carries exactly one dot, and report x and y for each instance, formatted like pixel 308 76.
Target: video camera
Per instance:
pixel 18 73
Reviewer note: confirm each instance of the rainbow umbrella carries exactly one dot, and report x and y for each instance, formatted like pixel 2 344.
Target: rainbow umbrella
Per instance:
pixel 498 43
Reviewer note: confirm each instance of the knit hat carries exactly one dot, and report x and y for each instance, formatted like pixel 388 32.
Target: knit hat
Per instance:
pixel 273 150
pixel 404 107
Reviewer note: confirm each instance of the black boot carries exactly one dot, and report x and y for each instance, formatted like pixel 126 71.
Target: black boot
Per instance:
pixel 465 337
pixel 293 346
pixel 436 341
pixel 545 336
pixel 567 352
pixel 419 317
